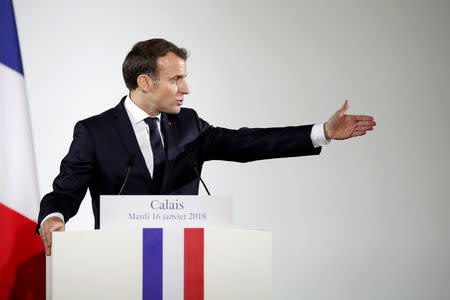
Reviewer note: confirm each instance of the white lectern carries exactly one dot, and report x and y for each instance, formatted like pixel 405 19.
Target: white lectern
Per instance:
pixel 172 262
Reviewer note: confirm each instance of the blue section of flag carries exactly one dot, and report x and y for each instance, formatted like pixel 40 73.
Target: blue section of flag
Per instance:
pixel 152 275
pixel 9 43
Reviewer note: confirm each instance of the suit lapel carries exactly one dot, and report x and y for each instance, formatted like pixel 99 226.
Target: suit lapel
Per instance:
pixel 170 133
pixel 122 125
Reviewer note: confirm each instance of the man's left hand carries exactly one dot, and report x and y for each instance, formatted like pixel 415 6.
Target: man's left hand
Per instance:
pixel 341 126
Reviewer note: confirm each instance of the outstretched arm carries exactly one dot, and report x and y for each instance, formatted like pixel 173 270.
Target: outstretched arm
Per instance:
pixel 341 126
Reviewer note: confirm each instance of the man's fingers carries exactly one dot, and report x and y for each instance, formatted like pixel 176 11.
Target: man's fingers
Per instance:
pixel 364 118
pixel 358 133
pixel 48 238
pixel 50 225
pixel 44 240
pixel 365 123
pixel 364 128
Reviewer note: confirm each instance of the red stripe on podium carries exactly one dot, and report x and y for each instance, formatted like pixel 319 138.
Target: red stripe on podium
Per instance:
pixel 193 264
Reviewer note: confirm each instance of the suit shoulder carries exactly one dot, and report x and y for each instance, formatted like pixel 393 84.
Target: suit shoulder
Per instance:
pixel 190 116
pixel 100 118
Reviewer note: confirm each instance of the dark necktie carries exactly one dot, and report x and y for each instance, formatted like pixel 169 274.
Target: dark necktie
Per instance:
pixel 159 156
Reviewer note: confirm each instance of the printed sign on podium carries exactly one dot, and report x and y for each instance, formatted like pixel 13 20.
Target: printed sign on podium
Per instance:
pixel 165 211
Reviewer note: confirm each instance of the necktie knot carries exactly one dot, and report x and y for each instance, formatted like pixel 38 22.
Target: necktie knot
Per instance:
pixel 151 121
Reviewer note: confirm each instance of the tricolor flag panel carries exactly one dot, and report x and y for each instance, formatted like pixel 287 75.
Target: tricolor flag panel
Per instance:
pixel 22 260
pixel 157 264
pixel 173 264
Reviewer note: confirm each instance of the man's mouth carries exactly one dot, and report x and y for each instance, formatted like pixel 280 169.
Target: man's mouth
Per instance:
pixel 180 101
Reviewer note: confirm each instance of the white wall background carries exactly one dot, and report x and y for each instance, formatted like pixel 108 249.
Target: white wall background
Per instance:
pixel 367 219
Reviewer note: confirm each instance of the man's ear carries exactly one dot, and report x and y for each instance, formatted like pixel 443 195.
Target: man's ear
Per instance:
pixel 146 83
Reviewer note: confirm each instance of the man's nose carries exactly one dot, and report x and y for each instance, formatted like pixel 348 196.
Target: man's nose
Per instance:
pixel 184 87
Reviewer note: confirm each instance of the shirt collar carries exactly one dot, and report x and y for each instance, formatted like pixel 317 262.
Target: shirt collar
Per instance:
pixel 135 113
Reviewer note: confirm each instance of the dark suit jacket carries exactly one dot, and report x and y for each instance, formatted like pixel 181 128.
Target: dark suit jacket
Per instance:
pixel 102 144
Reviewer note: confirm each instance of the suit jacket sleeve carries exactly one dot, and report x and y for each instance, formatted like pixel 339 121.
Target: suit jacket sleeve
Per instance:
pixel 76 172
pixel 250 144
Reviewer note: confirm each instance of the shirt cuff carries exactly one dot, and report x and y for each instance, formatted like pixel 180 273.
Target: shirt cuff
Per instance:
pixel 56 214
pixel 318 136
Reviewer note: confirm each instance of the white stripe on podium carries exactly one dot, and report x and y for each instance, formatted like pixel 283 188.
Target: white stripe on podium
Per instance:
pixel 173 262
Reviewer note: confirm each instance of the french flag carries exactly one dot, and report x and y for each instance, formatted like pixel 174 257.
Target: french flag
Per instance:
pixel 181 252
pixel 22 258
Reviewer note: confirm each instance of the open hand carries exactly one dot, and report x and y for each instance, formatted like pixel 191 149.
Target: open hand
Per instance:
pixel 341 126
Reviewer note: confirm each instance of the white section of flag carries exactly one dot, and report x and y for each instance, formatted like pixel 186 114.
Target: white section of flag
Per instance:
pixel 18 181
pixel 173 263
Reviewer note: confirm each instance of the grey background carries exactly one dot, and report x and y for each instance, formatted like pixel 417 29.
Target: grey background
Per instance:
pixel 367 219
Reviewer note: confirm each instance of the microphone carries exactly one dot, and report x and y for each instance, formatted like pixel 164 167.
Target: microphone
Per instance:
pixel 130 163
pixel 193 163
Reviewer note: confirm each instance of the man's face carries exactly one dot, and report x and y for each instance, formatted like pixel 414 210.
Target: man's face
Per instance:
pixel 168 93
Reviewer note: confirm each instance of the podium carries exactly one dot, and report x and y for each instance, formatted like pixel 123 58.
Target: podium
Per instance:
pixel 172 262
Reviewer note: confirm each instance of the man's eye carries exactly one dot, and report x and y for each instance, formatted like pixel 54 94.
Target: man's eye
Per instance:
pixel 175 79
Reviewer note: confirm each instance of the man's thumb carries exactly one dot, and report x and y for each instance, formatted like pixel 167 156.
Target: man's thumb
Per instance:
pixel 343 109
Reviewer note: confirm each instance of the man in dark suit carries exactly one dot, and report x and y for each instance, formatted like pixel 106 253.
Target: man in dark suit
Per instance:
pixel 162 146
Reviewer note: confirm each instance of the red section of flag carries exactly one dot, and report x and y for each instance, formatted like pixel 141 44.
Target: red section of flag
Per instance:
pixel 193 264
pixel 22 258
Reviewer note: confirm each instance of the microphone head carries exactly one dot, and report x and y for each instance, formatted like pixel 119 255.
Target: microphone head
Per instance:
pixel 130 161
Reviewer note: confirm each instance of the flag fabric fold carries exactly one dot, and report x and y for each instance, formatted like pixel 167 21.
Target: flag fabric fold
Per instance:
pixel 22 259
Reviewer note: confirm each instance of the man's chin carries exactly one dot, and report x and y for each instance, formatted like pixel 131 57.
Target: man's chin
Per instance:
pixel 173 111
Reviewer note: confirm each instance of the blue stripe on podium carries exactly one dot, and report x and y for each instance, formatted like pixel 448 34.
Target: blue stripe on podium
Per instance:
pixel 152 275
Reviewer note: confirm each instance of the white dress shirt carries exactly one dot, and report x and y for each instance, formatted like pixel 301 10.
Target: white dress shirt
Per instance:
pixel 142 132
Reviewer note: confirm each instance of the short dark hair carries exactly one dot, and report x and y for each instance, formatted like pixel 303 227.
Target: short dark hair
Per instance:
pixel 142 59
